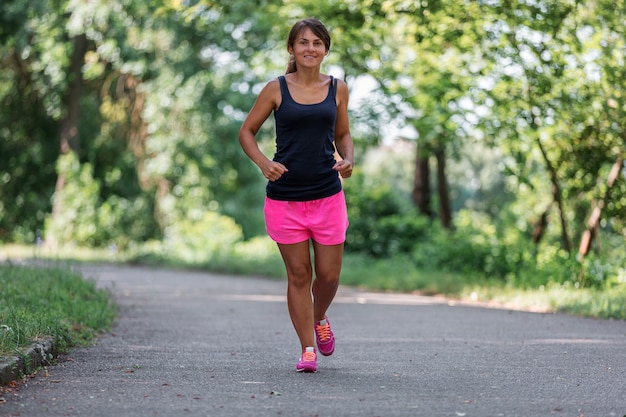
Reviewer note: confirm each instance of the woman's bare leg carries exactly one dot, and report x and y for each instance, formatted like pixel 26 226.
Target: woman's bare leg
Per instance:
pixel 328 261
pixel 297 260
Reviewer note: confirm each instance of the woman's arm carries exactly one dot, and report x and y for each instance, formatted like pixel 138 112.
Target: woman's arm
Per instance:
pixel 266 102
pixel 343 138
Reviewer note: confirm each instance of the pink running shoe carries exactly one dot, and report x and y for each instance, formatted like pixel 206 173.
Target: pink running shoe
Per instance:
pixel 308 361
pixel 324 337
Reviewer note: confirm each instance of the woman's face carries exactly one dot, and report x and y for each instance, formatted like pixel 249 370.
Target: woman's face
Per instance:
pixel 308 49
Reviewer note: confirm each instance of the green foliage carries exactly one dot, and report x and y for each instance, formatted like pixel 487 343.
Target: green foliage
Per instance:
pixel 86 221
pixel 197 240
pixel 602 303
pixel 28 150
pixel 201 239
pixel 381 222
pixel 144 61
pixel 381 228
pixel 79 202
pixel 398 273
pixel 258 256
pixel 53 302
pixel 121 222
pixel 166 85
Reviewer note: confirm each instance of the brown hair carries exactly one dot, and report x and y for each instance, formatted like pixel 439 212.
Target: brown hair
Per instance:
pixel 316 27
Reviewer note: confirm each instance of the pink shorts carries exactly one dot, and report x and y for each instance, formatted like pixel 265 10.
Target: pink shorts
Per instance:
pixel 324 220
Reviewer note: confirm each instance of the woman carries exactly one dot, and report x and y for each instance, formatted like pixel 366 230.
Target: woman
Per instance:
pixel 305 203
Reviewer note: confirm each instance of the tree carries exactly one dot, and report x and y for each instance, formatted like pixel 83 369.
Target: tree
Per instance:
pixel 28 130
pixel 148 96
pixel 541 100
pixel 108 73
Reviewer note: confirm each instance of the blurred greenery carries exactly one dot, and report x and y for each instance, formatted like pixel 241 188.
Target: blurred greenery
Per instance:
pixel 119 123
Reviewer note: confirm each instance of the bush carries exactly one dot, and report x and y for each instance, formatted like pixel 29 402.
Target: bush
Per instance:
pixel 200 240
pixel 382 224
pixel 456 252
pixel 78 201
pixel 86 221
pixel 256 256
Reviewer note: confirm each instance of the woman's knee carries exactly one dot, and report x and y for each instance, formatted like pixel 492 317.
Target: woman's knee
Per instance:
pixel 327 279
pixel 299 276
pixel 327 273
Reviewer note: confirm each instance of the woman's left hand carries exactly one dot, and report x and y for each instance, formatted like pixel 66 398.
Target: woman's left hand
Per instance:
pixel 344 167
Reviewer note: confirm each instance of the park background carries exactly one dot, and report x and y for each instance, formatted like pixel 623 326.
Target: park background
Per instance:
pixel 490 140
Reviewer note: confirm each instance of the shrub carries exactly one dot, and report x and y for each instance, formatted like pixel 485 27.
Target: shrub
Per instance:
pixel 78 201
pixel 382 223
pixel 200 240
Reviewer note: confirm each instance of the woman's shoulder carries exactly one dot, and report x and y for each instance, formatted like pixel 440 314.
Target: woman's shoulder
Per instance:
pixel 271 87
pixel 341 93
pixel 270 94
pixel 339 81
pixel 273 83
pixel 341 86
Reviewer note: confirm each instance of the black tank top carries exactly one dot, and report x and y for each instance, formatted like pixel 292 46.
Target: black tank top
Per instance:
pixel 304 145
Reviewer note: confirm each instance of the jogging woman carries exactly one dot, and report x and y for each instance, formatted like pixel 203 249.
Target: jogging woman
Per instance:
pixel 305 203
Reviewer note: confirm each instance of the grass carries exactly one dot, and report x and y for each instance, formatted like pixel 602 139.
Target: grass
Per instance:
pixel 261 258
pixel 63 254
pixel 50 302
pixel 398 274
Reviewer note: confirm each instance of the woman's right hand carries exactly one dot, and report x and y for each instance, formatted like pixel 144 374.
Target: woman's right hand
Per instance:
pixel 273 170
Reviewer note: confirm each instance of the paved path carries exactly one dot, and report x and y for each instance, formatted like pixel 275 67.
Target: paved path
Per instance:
pixel 198 344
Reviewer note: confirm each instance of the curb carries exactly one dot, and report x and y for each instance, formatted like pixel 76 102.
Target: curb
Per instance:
pixel 16 367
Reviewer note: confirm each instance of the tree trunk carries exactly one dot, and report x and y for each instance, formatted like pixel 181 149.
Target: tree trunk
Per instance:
pixel 557 196
pixel 442 189
pixel 594 220
pixel 69 140
pixel 138 135
pixel 541 225
pixel 421 182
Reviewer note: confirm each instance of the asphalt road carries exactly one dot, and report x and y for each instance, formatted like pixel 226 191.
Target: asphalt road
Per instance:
pixel 198 344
